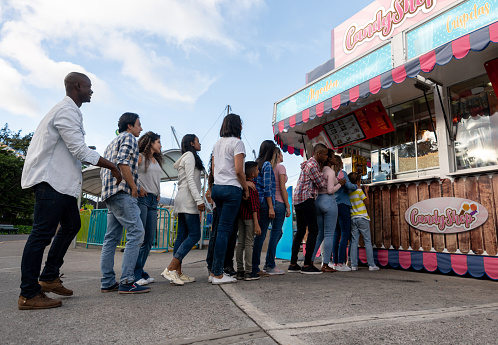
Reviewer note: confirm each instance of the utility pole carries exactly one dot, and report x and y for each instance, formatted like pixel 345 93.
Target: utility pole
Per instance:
pixel 174 134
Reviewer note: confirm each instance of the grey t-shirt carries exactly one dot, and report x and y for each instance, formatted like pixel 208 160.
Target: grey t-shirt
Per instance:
pixel 150 180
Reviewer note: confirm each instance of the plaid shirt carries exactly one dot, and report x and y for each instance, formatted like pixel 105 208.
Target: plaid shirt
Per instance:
pixel 265 183
pixel 249 206
pixel 310 180
pixel 122 150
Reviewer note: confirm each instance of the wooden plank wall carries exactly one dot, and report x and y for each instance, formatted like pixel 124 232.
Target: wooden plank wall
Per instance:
pixel 389 203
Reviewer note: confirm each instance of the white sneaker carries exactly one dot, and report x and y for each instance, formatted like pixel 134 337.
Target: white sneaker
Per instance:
pixel 373 268
pixel 150 280
pixel 342 268
pixel 210 278
pixel 274 271
pixel 354 268
pixel 142 282
pixel 331 265
pixel 226 279
pixel 186 278
pixel 172 276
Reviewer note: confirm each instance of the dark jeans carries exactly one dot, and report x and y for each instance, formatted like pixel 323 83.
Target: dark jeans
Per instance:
pixel 51 208
pixel 212 240
pixel 342 231
pixel 189 233
pixel 148 215
pixel 227 199
pixel 264 222
pixel 305 216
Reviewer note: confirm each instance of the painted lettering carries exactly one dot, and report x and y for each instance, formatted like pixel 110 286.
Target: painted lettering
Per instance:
pixel 449 219
pixel 461 20
pixel 384 22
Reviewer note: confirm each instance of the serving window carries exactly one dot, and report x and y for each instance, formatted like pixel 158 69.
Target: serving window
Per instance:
pixel 474 109
pixel 411 150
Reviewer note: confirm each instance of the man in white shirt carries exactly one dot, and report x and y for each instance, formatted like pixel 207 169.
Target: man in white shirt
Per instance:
pixel 53 169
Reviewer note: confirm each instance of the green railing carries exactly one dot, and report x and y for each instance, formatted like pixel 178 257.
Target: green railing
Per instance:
pixel 96 225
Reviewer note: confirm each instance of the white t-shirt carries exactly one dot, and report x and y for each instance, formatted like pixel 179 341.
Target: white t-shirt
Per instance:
pixel 224 152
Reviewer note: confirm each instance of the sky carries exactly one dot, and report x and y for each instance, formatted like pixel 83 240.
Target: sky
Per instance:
pixel 174 62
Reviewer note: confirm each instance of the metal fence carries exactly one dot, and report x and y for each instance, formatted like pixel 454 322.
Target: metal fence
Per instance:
pixel 94 224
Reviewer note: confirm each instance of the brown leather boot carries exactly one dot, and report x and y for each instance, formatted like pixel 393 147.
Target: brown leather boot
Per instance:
pixel 326 268
pixel 40 301
pixel 56 286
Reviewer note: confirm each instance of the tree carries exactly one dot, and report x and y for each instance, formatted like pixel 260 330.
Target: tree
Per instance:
pixel 14 201
pixel 14 140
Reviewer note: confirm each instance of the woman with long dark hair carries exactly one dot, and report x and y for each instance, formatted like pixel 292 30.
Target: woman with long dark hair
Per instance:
pixel 342 231
pixel 266 186
pixel 149 177
pixel 188 205
pixel 228 190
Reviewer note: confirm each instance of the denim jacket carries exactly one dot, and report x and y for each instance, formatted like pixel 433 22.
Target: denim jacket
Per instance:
pixel 342 195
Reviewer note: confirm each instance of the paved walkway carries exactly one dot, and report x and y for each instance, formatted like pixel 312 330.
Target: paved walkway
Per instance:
pixel 385 307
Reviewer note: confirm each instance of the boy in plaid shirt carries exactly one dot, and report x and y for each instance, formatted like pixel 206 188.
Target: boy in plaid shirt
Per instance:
pixel 310 180
pixel 248 227
pixel 123 211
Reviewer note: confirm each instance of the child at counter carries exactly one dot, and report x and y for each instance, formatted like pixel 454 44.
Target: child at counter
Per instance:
pixel 360 223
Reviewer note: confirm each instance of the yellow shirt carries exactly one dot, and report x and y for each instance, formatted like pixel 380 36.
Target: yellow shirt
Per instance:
pixel 358 208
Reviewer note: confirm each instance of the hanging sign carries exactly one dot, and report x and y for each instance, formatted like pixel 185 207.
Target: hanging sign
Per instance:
pixel 446 215
pixel 361 124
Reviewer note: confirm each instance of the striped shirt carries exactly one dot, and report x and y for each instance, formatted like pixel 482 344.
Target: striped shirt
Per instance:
pixel 358 208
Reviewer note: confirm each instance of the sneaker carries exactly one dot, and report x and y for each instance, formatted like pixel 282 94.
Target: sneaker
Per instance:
pixel 294 269
pixel 186 279
pixel 150 280
pixel 132 288
pixel 332 265
pixel 373 268
pixel 142 282
pixel 326 268
pixel 113 287
pixel 225 279
pixel 240 275
pixel 56 287
pixel 230 271
pixel 210 278
pixel 343 268
pixel 354 268
pixel 311 269
pixel 263 274
pixel 251 276
pixel 274 271
pixel 40 301
pixel 172 276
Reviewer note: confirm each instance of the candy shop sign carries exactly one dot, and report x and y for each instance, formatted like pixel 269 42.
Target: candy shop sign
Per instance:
pixel 446 215
pixel 385 21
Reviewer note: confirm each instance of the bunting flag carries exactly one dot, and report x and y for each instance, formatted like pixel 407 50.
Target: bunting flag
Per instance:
pixel 475 265
pixel 459 48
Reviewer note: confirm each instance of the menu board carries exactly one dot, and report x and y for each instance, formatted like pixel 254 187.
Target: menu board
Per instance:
pixel 361 124
pixel 344 131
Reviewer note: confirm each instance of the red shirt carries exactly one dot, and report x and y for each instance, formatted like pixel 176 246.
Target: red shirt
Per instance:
pixel 310 180
pixel 249 206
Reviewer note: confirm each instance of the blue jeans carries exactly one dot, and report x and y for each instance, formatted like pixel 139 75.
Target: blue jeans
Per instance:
pixel 188 234
pixel 326 217
pixel 227 199
pixel 275 234
pixel 51 208
pixel 148 215
pixel 342 231
pixel 361 225
pixel 264 222
pixel 123 212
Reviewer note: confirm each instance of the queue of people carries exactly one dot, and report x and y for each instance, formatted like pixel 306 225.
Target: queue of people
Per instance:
pixel 247 197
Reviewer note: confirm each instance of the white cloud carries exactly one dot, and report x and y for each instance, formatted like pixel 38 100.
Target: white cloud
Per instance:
pixel 142 37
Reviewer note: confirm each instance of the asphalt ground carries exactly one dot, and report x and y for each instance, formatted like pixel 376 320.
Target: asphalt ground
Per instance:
pixel 385 307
